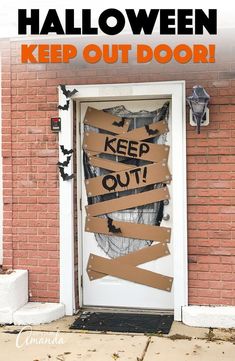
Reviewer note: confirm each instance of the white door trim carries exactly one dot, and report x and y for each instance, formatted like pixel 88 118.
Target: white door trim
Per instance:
pixel 66 202
pixel 1 161
pixel 104 92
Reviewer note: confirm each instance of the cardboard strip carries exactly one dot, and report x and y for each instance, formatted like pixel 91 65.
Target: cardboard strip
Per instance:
pixel 109 164
pixel 103 120
pixel 131 201
pixel 144 132
pixel 129 230
pixel 130 273
pixel 147 132
pixel 136 258
pixel 129 179
pixel 103 143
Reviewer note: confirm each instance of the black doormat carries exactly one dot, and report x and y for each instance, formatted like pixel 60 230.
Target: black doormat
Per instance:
pixel 123 322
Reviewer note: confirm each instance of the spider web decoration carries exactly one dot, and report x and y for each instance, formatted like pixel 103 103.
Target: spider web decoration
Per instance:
pixel 151 214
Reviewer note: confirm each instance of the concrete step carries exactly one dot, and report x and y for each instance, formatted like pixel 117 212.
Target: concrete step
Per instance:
pixel 13 294
pixel 35 313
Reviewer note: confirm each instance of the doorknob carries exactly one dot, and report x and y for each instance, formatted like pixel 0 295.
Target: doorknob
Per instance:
pixel 166 217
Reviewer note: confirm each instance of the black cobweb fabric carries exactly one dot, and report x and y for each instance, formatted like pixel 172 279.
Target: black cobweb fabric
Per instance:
pixel 150 214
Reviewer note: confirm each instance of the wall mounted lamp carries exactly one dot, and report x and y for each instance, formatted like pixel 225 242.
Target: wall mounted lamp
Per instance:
pixel 198 103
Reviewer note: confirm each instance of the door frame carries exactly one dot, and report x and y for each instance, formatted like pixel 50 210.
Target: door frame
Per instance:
pixel 1 174
pixel 134 91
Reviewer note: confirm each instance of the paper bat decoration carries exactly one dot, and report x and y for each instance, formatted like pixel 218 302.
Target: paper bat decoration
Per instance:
pixel 66 92
pixel 65 163
pixel 119 124
pixel 111 226
pixel 64 175
pixel 66 151
pixel 150 131
pixel 64 107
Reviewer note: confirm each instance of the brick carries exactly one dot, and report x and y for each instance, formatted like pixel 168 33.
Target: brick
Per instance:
pixel 228 293
pixel 209 276
pixel 228 285
pixel 199 283
pixel 40 83
pixel 36 99
pixel 227 75
pixel 27 91
pixel 26 262
pixel 36 67
pixel 220 268
pixel 38 269
pixel 48 262
pixel 18 84
pixel 47 74
pixel 208 293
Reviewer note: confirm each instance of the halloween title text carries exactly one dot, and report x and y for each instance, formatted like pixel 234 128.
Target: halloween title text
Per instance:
pixel 151 25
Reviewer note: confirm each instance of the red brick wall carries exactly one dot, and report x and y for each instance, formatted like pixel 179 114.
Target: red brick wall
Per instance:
pixel 30 180
pixel 30 154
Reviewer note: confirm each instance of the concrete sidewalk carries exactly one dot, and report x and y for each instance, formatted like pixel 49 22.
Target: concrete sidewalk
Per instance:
pixel 55 342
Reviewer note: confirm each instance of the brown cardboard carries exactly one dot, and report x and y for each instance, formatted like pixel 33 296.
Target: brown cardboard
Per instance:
pixel 129 230
pixel 103 120
pixel 127 202
pixel 109 164
pixel 142 134
pixel 103 143
pixel 137 177
pixel 143 255
pixel 130 273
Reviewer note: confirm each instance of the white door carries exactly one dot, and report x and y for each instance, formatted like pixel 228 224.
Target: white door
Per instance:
pixel 111 291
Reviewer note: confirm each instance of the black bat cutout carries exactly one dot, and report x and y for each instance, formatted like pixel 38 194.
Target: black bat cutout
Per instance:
pixel 66 151
pixel 150 131
pixel 66 92
pixel 64 175
pixel 112 227
pixel 64 107
pixel 119 124
pixel 65 163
